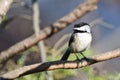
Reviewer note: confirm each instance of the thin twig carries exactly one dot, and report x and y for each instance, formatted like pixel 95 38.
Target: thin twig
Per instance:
pixel 41 46
pixel 101 22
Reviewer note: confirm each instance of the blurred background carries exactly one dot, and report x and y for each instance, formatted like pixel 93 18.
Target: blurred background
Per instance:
pixel 106 37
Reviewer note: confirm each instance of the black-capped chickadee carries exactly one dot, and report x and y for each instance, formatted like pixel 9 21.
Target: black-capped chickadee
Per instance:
pixel 80 40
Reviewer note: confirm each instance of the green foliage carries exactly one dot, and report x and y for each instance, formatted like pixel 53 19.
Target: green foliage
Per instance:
pixel 4 22
pixel 89 72
pixel 4 18
pixel 60 74
pixel 86 53
pixel 30 77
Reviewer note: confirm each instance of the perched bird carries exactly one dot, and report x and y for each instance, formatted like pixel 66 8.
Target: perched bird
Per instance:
pixel 80 40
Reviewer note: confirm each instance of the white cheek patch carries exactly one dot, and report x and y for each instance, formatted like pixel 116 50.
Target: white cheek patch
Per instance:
pixel 83 28
pixel 77 29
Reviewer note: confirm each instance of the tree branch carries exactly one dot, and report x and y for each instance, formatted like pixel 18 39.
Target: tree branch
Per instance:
pixel 39 67
pixel 4 6
pixel 81 10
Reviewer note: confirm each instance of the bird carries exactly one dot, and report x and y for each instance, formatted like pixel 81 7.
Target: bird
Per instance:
pixel 79 41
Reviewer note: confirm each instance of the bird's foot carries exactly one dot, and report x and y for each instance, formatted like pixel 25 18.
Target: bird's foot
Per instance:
pixel 85 58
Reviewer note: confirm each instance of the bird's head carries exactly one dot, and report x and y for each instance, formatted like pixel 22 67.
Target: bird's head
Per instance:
pixel 82 27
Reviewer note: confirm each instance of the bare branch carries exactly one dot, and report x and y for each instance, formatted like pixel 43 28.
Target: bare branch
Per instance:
pixel 81 10
pixel 100 21
pixel 4 6
pixel 39 67
pixel 36 26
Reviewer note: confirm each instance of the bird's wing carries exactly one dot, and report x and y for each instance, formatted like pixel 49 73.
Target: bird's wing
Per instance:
pixel 71 39
pixel 67 53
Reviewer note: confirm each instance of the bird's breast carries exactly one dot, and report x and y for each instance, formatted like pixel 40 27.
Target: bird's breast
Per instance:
pixel 81 42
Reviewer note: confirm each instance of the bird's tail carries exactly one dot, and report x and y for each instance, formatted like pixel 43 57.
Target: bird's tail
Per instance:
pixel 66 54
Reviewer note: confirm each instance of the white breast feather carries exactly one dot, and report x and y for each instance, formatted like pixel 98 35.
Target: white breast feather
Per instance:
pixel 81 42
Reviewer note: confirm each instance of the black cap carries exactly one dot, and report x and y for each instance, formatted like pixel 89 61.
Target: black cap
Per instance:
pixel 80 24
